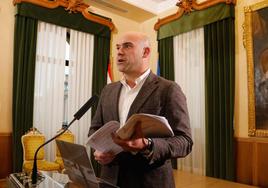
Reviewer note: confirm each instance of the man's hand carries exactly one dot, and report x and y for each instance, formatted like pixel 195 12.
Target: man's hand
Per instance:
pixel 136 143
pixel 103 158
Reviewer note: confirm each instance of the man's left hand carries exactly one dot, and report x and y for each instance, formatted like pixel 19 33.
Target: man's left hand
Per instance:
pixel 136 143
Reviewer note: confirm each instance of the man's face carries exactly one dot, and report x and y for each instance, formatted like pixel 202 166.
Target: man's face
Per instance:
pixel 129 54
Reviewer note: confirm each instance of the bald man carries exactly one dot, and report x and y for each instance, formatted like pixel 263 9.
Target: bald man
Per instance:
pixel 145 162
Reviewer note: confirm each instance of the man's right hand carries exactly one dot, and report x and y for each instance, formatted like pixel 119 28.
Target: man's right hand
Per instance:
pixel 103 158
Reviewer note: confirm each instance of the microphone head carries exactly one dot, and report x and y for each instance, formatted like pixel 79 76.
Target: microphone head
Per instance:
pixel 91 102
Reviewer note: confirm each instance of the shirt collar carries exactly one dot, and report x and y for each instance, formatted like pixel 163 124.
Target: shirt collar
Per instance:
pixel 138 80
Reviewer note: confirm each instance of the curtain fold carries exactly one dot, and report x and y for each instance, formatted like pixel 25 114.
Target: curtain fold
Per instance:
pixel 166 66
pixel 23 83
pixel 166 58
pixel 219 70
pixel 80 81
pixel 100 64
pixel 49 82
pixel 100 67
pixel 189 63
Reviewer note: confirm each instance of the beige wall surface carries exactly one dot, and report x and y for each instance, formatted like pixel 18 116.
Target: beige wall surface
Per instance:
pixel 7 12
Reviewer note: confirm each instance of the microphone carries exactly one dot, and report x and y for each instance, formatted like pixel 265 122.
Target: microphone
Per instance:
pixel 86 106
pixel 91 102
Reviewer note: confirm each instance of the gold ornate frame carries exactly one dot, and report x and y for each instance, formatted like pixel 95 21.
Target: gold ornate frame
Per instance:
pixel 248 44
pixel 72 6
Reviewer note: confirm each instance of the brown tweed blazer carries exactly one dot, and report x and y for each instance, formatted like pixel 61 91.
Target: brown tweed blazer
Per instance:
pixel 157 96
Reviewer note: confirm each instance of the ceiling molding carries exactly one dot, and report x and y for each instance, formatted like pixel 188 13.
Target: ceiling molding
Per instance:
pixel 122 8
pixel 153 6
pixel 165 5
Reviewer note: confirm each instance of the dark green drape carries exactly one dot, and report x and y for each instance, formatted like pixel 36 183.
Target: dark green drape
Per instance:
pixel 166 58
pixel 23 83
pixel 100 67
pixel 195 19
pixel 59 16
pixel 220 78
pixel 219 51
pixel 166 65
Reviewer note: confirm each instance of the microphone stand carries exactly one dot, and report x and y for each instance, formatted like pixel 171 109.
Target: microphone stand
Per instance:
pixel 34 171
pixel 77 116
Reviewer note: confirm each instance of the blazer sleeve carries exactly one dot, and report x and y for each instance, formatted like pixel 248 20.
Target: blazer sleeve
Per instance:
pixel 176 113
pixel 97 120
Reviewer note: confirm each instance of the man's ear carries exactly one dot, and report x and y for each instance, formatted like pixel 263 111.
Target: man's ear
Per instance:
pixel 146 52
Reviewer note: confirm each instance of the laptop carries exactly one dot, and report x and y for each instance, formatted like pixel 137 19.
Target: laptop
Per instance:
pixel 78 166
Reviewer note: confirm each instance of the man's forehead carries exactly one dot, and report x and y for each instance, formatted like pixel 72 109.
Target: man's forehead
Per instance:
pixel 124 43
pixel 126 40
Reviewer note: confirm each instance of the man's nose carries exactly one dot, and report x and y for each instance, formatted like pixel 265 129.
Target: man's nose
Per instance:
pixel 120 51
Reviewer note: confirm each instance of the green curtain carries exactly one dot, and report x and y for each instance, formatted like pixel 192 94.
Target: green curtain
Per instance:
pixel 220 78
pixel 166 66
pixel 166 58
pixel 100 66
pixel 24 62
pixel 59 16
pixel 218 22
pixel 23 83
pixel 196 19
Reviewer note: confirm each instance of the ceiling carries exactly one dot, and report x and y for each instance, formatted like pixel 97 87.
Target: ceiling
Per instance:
pixel 137 10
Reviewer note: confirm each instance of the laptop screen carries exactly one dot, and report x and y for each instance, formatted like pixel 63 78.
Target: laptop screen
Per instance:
pixel 78 166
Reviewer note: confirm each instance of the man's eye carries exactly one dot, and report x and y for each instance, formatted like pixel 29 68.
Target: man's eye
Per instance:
pixel 127 46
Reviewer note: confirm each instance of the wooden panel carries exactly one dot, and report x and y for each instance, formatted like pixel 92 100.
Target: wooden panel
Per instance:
pixel 3 183
pixel 5 154
pixel 251 161
pixel 262 164
pixel 244 162
pixel 189 180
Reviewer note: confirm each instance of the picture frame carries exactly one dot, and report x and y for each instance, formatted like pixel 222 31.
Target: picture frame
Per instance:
pixel 256 44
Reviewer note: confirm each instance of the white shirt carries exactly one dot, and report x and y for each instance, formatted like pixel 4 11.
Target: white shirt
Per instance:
pixel 128 94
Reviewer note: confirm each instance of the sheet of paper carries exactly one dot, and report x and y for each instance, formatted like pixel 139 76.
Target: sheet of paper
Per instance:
pixel 102 141
pixel 151 125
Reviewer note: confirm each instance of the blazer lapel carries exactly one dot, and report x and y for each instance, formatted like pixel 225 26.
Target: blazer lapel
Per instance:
pixel 148 87
pixel 114 100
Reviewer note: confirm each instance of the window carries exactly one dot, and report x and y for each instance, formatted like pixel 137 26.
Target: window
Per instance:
pixel 66 73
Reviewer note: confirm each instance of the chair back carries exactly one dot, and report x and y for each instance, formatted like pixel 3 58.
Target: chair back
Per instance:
pixel 30 142
pixel 68 136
